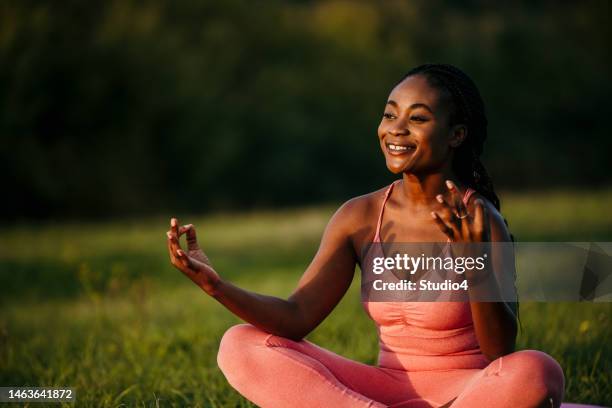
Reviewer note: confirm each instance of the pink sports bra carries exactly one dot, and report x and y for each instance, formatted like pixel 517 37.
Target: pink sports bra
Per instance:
pixel 417 336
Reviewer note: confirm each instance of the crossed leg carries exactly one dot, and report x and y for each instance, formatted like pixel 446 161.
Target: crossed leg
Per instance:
pixel 526 378
pixel 273 371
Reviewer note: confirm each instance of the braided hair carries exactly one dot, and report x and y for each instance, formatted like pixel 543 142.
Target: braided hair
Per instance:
pixel 468 109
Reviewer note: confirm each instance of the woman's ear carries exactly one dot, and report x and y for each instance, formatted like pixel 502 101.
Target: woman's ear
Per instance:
pixel 458 135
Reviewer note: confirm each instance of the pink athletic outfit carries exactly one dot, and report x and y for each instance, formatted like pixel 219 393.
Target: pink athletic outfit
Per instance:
pixel 429 354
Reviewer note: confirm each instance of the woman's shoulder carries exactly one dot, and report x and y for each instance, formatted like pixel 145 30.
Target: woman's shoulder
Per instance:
pixel 360 211
pixel 475 195
pixel 499 227
pixel 365 203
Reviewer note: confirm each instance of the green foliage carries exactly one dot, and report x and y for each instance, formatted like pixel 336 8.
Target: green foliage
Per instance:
pixel 125 107
pixel 97 306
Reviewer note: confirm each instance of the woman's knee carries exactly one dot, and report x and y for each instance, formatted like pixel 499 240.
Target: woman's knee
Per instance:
pixel 236 343
pixel 537 364
pixel 538 372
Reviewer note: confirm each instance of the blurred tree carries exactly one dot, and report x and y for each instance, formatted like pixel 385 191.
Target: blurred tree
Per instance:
pixel 126 107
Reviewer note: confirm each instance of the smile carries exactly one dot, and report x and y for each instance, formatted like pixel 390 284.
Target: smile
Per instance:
pixel 398 149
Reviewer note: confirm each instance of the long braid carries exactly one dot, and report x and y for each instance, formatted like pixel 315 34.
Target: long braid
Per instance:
pixel 468 109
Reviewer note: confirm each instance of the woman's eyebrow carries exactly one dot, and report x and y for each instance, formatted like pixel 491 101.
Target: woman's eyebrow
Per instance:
pixel 413 106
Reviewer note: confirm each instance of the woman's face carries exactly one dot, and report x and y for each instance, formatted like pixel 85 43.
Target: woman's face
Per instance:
pixel 414 133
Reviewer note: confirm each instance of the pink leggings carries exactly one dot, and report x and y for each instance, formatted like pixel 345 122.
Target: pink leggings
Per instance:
pixel 274 371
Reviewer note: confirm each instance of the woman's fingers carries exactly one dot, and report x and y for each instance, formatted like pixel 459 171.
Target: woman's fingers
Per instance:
pixel 174 226
pixel 175 233
pixel 444 227
pixel 448 215
pixel 451 216
pixel 178 257
pixel 171 249
pixel 460 210
pixel 446 211
pixel 174 247
pixel 189 229
pixel 174 242
pixel 192 239
pixel 184 259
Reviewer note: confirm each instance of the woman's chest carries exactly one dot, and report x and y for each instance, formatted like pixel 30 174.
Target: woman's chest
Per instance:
pixel 430 316
pixel 399 225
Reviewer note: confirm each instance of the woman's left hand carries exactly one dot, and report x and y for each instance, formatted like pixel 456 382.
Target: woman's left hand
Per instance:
pixel 457 223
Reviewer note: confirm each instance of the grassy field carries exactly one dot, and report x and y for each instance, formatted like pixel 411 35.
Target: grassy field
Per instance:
pixel 98 307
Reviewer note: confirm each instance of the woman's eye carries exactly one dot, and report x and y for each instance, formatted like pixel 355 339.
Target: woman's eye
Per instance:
pixel 388 115
pixel 419 118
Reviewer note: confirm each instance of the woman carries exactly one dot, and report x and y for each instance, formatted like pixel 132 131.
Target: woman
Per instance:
pixel 458 354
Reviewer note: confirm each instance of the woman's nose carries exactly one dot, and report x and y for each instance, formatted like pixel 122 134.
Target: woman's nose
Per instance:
pixel 399 128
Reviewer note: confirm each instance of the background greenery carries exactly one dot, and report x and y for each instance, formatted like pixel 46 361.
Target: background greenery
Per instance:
pixel 97 306
pixel 117 107
pixel 255 120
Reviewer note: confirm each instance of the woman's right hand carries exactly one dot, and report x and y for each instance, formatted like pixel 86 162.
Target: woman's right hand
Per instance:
pixel 194 263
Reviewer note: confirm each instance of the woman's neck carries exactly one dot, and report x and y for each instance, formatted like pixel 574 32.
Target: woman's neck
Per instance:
pixel 420 191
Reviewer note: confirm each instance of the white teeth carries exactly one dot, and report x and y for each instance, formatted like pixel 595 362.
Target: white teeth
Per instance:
pixel 397 147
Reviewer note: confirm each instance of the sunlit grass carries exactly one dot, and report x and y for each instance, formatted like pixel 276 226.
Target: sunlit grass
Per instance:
pixel 97 306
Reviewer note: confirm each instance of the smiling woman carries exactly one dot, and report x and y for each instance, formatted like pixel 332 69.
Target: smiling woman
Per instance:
pixel 399 148
pixel 458 354
pixel 405 127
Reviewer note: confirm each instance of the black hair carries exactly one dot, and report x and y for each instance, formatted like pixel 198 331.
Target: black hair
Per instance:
pixel 469 110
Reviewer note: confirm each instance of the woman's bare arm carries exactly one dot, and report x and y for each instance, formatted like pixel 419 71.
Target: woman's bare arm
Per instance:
pixel 319 290
pixel 494 322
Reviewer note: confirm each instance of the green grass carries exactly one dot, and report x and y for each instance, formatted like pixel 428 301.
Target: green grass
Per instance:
pixel 97 306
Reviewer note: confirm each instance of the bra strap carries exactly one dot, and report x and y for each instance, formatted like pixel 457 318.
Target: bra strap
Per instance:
pixel 382 210
pixel 466 196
